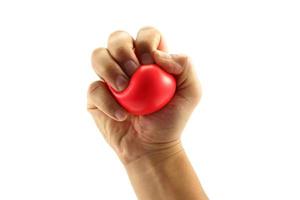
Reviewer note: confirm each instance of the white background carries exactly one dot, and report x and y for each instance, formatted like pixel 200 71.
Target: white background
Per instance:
pixel 243 139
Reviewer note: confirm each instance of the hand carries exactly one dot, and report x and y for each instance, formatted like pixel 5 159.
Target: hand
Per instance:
pixel 134 137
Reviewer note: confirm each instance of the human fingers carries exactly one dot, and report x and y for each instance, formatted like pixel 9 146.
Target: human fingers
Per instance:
pixel 147 41
pixel 108 69
pixel 121 47
pixel 100 98
pixel 181 67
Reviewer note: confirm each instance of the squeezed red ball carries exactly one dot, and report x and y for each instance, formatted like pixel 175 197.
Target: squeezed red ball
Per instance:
pixel 150 88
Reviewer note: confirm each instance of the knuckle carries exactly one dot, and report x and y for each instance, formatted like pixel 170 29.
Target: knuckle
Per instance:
pixel 98 53
pixel 90 107
pixel 117 35
pixel 93 87
pixel 148 29
pixel 184 60
pixel 148 39
pixel 99 56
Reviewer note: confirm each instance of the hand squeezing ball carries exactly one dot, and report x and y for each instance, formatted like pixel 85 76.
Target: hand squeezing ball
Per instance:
pixel 149 89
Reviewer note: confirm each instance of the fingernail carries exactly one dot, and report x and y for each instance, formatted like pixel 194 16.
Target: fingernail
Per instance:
pixel 121 83
pixel 174 66
pixel 163 54
pixel 146 59
pixel 130 67
pixel 121 115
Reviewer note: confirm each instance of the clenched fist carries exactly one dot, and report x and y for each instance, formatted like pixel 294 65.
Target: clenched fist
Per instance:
pixel 132 136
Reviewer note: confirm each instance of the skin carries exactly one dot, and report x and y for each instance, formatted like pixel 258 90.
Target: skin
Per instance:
pixel 149 146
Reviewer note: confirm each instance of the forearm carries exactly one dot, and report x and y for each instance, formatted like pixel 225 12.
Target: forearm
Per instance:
pixel 165 175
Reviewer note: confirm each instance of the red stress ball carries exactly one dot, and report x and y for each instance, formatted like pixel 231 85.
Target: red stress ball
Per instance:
pixel 150 88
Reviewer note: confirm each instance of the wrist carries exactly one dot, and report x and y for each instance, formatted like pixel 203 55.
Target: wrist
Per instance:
pixel 150 161
pixel 165 174
pixel 153 162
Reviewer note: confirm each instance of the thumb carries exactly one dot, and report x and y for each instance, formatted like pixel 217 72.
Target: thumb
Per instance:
pixel 181 67
pixel 171 63
pixel 177 64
